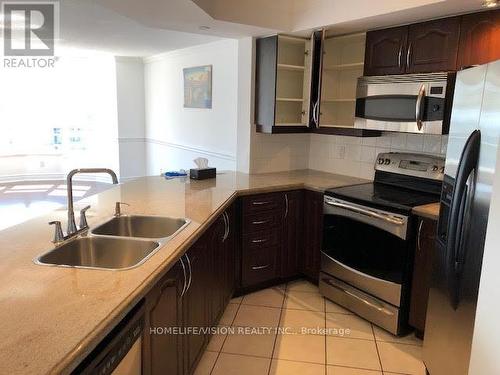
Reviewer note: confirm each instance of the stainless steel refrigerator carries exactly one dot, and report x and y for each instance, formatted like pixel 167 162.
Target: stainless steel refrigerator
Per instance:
pixel 465 200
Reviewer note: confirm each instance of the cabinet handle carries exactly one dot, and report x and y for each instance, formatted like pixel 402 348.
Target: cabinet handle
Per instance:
pixel 224 236
pixel 185 276
pixel 257 222
pixel 260 203
pixel 400 54
pixel 408 55
pixel 256 268
pixel 190 273
pixel 262 240
pixel 286 205
pixel 228 225
pixel 419 235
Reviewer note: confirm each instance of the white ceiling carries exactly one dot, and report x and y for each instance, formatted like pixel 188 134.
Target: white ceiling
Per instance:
pixel 148 27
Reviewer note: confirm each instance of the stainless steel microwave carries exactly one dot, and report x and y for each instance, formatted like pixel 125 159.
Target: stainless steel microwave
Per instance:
pixel 410 103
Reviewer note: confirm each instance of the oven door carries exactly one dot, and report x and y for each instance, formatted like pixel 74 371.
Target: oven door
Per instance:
pixel 366 248
pixel 408 103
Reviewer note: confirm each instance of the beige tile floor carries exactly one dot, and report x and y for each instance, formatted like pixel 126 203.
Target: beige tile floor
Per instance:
pixel 335 342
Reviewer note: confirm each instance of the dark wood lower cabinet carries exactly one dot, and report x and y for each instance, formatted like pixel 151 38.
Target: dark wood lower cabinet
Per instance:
pixel 192 296
pixel 162 351
pixel 312 234
pixel 194 303
pixel 292 234
pixel 422 271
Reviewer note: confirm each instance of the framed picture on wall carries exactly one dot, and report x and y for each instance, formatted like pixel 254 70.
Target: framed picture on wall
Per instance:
pixel 198 87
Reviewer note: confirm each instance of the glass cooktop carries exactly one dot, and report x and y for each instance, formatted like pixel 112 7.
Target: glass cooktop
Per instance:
pixel 383 196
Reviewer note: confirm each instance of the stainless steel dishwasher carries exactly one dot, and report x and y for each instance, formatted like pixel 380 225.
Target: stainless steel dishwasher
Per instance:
pixel 120 353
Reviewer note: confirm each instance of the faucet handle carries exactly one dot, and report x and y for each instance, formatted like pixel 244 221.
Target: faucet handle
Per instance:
pixel 83 218
pixel 118 210
pixel 58 234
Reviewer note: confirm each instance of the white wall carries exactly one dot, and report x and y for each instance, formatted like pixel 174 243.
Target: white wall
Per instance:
pixel 355 157
pixel 176 135
pixel 486 340
pixel 131 116
pixel 246 83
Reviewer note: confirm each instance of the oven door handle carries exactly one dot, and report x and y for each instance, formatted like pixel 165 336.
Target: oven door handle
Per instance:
pixel 363 211
pixel 373 305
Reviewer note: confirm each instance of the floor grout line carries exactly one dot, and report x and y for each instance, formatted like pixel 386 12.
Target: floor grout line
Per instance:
pixel 224 341
pixel 279 324
pixel 376 347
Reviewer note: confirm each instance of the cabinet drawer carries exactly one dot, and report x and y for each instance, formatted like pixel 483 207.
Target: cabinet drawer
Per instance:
pixel 259 266
pixel 261 221
pixel 263 202
pixel 261 239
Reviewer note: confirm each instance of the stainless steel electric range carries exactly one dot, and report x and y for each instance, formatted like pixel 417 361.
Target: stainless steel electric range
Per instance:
pixel 369 236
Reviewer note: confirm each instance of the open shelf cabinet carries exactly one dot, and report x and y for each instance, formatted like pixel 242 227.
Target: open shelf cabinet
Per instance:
pixel 283 74
pixel 308 85
pixel 343 61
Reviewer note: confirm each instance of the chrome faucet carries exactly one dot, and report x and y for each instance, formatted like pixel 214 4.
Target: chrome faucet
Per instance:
pixel 69 183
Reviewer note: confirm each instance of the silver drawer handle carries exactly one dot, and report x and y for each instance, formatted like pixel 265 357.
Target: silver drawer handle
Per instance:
pixel 260 241
pixel 260 203
pixel 378 307
pixel 260 222
pixel 255 268
pixel 362 211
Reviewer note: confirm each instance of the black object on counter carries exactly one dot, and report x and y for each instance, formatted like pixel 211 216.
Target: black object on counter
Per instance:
pixel 202 173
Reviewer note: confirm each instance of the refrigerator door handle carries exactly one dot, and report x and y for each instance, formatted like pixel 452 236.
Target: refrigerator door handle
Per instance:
pixel 458 212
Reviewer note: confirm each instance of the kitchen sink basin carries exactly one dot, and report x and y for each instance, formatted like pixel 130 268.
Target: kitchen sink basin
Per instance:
pixel 153 227
pixel 100 252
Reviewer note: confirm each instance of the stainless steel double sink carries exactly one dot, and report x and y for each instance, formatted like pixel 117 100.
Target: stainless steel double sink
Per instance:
pixel 120 243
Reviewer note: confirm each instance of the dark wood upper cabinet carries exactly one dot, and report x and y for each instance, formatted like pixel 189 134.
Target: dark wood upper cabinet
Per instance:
pixel 282 84
pixel 384 52
pixel 479 38
pixel 433 46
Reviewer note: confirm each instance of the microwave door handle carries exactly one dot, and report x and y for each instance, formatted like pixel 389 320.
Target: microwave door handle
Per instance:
pixel 400 53
pixel 359 210
pixel 418 106
pixel 461 198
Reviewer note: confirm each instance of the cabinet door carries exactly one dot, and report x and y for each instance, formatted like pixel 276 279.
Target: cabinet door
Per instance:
pixel 292 233
pixel 433 46
pixel 313 233
pixel 230 250
pixel 384 52
pixel 163 351
pixel 194 305
pixel 216 281
pixel 479 38
pixel 422 271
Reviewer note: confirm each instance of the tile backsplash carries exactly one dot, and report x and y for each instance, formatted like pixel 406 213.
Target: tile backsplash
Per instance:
pixel 279 152
pixel 350 156
pixel 356 156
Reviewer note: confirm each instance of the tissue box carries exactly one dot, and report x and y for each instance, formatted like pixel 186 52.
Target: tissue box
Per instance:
pixel 202 173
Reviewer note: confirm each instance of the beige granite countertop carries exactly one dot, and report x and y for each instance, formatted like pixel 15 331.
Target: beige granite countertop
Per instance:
pixel 429 211
pixel 52 317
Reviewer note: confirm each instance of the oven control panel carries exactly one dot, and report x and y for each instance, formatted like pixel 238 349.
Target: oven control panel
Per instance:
pixel 416 165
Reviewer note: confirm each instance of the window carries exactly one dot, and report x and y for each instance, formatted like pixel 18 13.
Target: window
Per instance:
pixel 53 120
